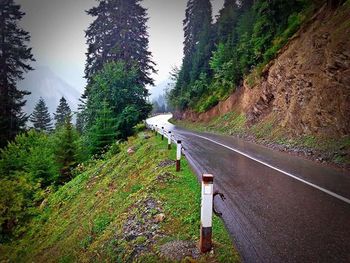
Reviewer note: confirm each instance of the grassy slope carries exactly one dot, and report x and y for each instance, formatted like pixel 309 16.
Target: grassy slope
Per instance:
pixel 268 132
pixel 84 220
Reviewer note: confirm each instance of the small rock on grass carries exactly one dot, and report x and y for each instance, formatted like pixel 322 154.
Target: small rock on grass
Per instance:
pixel 131 151
pixel 159 218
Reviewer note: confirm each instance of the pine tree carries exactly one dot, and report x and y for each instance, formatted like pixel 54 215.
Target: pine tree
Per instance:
pixel 198 19
pixel 119 32
pixel 15 57
pixel 227 20
pixel 63 112
pixel 198 46
pixel 104 131
pixel 41 117
pixel 80 122
pixel 66 150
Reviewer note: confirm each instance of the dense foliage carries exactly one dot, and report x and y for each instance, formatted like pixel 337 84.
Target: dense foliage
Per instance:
pixel 217 56
pixel 103 132
pixel 27 166
pixel 123 101
pixel 66 150
pixel 14 59
pixel 31 166
pixel 35 163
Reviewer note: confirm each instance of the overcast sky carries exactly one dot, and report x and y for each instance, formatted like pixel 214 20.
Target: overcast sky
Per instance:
pixel 57 31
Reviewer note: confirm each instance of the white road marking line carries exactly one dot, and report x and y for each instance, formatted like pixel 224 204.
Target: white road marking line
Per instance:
pixel 342 198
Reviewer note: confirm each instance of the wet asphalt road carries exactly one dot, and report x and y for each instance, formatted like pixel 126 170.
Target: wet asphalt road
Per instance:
pixel 279 208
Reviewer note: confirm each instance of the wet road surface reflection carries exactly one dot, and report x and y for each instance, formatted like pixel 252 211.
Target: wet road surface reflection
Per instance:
pixel 270 216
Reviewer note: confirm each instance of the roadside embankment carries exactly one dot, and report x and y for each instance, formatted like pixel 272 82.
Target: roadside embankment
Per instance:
pixel 328 151
pixel 130 206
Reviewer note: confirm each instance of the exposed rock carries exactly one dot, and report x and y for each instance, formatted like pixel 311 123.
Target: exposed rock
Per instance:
pixel 140 229
pixel 179 250
pixel 159 218
pixel 165 177
pixel 130 151
pixel 166 163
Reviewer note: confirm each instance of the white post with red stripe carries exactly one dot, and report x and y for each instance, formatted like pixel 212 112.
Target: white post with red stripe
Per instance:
pixel 206 213
pixel 178 155
pixel 169 140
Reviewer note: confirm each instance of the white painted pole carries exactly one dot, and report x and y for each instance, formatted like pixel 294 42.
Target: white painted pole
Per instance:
pixel 162 133
pixel 206 213
pixel 178 155
pixel 156 129
pixel 169 140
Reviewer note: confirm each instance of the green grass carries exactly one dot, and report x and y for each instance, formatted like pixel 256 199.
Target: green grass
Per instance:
pixel 83 221
pixel 229 123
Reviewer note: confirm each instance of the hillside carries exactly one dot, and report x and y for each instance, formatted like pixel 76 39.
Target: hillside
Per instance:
pixel 301 98
pixel 124 208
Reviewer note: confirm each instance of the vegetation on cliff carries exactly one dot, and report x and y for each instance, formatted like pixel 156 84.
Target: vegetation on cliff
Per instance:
pixel 246 35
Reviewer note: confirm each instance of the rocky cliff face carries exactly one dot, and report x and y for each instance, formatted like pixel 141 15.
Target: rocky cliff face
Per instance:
pixel 307 87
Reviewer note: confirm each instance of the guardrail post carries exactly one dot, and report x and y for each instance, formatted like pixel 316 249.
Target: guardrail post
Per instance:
pixel 169 140
pixel 162 133
pixel 156 129
pixel 178 155
pixel 205 243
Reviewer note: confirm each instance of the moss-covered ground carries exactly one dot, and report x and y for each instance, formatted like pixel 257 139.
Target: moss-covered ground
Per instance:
pixel 86 220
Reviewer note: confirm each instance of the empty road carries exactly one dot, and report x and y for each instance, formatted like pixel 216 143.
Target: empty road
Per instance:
pixel 279 208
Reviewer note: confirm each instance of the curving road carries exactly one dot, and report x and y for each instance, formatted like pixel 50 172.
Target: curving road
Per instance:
pixel 279 208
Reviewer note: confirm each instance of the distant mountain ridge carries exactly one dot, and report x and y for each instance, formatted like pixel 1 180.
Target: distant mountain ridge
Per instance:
pixel 43 82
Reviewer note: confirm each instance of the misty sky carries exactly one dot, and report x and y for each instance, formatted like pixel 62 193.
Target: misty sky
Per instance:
pixel 57 31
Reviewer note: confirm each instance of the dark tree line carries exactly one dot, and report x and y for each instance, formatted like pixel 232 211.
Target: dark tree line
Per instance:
pixel 42 120
pixel 15 57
